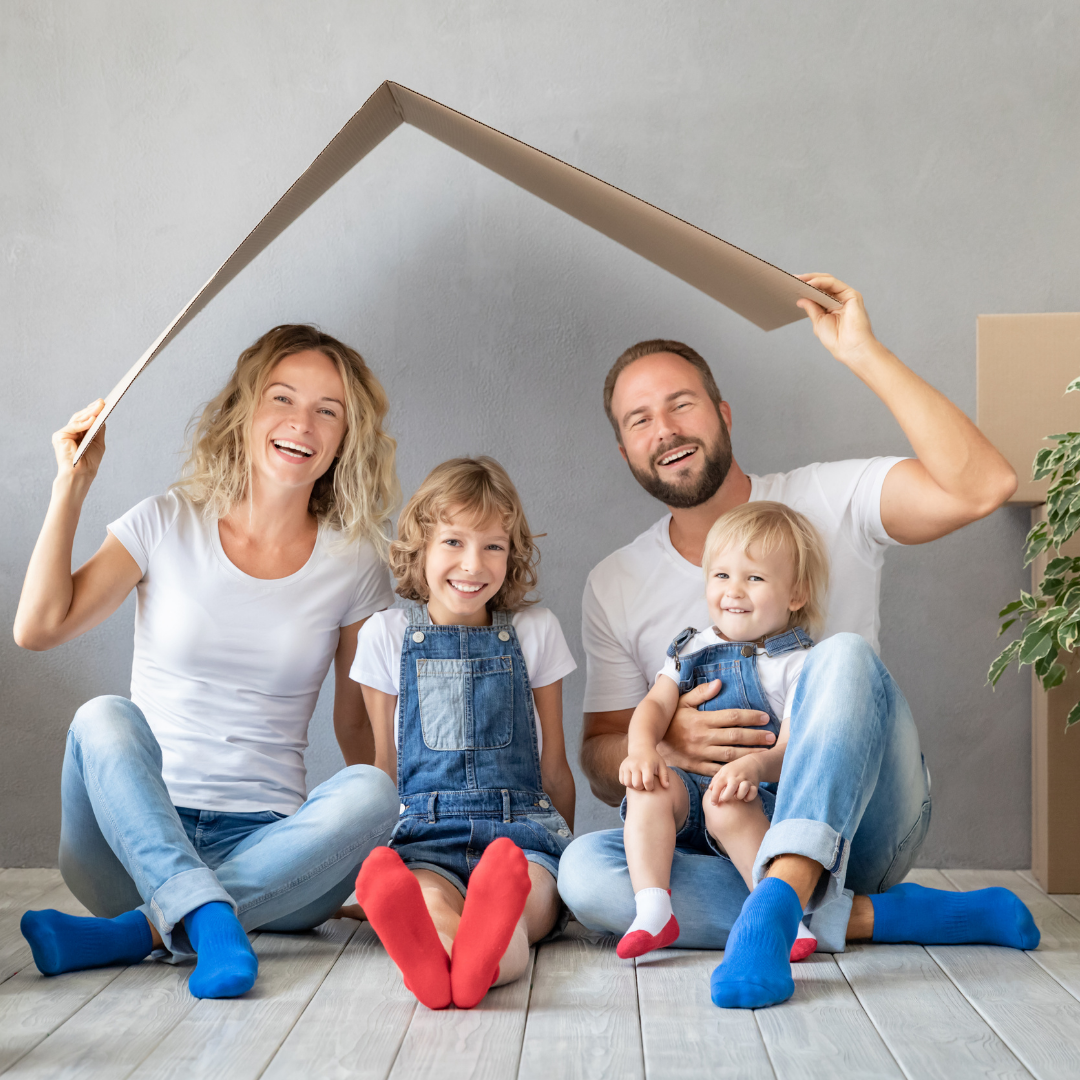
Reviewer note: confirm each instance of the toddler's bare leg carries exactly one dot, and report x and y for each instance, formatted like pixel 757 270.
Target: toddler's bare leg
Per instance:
pixel 652 820
pixel 536 922
pixel 739 827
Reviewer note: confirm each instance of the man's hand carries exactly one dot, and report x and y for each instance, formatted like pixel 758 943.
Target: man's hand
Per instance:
pixel 641 769
pixel 846 332
pixel 701 742
pixel 735 782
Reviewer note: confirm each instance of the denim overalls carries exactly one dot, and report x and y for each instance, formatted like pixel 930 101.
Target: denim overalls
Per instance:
pixel 735 664
pixel 468 766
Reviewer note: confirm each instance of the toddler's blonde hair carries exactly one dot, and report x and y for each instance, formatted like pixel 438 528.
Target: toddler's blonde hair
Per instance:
pixel 772 526
pixel 480 487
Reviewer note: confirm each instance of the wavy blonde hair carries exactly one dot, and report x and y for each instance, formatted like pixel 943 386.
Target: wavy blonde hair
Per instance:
pixel 771 526
pixel 356 495
pixel 481 488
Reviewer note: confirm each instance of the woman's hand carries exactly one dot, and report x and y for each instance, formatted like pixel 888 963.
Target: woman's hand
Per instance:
pixel 641 769
pixel 735 782
pixel 66 444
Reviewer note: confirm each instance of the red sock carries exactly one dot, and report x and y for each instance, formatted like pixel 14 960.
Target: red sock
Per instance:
pixel 498 889
pixel 392 900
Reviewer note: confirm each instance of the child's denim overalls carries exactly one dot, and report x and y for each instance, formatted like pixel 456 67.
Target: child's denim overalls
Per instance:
pixel 468 766
pixel 735 665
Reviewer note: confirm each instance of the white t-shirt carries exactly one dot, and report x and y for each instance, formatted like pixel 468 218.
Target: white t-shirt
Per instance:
pixel 228 667
pixel 778 675
pixel 378 653
pixel 642 595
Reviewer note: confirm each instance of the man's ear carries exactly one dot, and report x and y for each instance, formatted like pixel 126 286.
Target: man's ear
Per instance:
pixel 725 412
pixel 622 450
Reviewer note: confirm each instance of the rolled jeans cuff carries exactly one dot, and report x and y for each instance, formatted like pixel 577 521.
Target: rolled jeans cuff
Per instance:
pixel 177 897
pixel 815 840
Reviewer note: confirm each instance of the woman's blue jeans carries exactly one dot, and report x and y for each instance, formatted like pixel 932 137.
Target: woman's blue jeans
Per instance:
pixel 854 795
pixel 124 846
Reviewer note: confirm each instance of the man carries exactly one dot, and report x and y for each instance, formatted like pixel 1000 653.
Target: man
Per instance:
pixel 853 804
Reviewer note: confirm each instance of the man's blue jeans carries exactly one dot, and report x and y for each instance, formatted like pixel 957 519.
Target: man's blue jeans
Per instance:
pixel 854 795
pixel 123 845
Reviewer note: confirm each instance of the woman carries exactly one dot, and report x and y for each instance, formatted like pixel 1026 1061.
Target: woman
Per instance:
pixel 185 822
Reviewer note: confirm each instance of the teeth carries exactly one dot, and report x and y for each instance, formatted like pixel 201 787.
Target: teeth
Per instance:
pixel 462 586
pixel 283 444
pixel 676 457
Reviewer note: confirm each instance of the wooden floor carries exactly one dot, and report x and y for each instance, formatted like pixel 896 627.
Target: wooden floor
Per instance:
pixel 331 1004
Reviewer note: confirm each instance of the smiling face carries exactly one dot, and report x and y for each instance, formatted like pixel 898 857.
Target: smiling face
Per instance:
pixel 299 421
pixel 751 594
pixel 673 437
pixel 465 566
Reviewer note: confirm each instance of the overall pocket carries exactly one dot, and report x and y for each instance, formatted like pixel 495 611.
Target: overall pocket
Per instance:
pixel 466 704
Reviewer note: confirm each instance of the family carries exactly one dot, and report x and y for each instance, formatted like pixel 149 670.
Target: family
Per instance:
pixel 772 788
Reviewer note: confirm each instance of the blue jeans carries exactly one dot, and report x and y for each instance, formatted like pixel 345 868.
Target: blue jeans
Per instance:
pixel 854 795
pixel 124 846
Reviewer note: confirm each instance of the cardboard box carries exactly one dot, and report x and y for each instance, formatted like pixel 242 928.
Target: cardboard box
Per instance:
pixel 748 285
pixel 1024 363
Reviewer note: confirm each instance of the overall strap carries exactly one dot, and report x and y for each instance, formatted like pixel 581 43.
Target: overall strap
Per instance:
pixel 681 639
pixel 418 615
pixel 789 641
pixel 502 618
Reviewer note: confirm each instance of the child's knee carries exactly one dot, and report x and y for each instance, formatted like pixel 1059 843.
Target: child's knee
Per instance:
pixel 660 800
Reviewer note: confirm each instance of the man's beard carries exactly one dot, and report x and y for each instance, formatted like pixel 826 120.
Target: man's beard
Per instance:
pixel 692 493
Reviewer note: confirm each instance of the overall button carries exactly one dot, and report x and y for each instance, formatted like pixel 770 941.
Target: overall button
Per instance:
pixel 747 650
pixel 543 804
pixel 564 832
pixel 418 636
pixel 402 810
pixel 504 635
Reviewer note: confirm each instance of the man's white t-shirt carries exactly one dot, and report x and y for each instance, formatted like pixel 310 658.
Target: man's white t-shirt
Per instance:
pixel 228 667
pixel 640 597
pixel 378 653
pixel 778 675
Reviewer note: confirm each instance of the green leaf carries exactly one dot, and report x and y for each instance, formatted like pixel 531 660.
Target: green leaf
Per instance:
pixel 1055 676
pixel 1028 602
pixel 1073 717
pixel 1074 385
pixel 1008 609
pixel 997 668
pixel 1034 647
pixel 1005 626
pixel 1067 634
pixel 1061 565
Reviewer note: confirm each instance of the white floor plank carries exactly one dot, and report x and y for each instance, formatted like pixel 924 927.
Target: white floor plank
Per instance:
pixel 18 888
pixel 822 1031
pixel 14 952
pixel 1059 949
pixel 116 1030
pixel 237 1038
pixel 32 1006
pixel 468 1044
pixel 583 1014
pixel 355 1023
pixel 1069 902
pixel 684 1035
pixel 929 1027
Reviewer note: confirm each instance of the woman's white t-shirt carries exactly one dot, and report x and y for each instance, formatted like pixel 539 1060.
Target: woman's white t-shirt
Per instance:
pixel 778 675
pixel 228 667
pixel 378 652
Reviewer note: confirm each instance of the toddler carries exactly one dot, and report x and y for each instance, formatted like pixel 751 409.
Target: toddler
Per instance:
pixel 464 692
pixel 766 579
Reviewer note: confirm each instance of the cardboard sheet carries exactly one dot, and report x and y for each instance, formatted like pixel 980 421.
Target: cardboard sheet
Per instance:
pixel 1024 363
pixel 748 285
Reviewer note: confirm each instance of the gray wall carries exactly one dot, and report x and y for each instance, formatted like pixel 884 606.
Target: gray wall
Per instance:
pixel 927 153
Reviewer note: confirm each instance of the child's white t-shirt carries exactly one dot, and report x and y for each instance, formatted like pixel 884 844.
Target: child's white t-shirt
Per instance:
pixel 228 667
pixel 778 675
pixel 378 653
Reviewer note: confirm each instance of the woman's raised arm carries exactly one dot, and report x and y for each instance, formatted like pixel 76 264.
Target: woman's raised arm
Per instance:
pixel 57 605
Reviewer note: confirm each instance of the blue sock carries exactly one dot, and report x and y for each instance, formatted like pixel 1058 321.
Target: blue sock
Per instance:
pixel 62 942
pixel 756 970
pixel 226 965
pixel 910 912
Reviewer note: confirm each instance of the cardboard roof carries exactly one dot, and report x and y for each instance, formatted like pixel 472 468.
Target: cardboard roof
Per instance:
pixel 755 289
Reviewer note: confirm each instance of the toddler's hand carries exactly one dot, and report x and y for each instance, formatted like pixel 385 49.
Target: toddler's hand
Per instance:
pixel 737 781
pixel 641 770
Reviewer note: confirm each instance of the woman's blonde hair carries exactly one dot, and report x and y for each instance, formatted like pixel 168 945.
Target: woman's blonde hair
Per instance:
pixel 771 526
pixel 356 495
pixel 479 487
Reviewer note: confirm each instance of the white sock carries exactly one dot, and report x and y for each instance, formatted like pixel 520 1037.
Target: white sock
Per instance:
pixel 653 911
pixel 804 933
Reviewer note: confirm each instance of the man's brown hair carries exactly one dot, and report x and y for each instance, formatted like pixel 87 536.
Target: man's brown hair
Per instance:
pixel 649 348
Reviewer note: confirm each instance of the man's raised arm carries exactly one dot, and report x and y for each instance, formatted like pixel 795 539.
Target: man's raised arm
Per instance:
pixel 957 476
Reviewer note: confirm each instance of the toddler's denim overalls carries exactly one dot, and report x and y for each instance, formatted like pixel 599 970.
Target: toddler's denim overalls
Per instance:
pixel 468 766
pixel 735 665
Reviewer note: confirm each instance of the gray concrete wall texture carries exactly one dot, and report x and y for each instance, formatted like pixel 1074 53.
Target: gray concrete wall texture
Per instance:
pixel 926 153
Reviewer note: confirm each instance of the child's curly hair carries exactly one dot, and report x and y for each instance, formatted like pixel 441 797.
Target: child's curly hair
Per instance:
pixel 480 487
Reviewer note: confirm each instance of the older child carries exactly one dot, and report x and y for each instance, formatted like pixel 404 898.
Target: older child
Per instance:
pixel 766 575
pixel 454 688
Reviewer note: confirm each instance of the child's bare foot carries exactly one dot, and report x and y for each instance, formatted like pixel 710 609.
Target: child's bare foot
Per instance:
pixel 350 911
